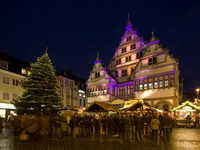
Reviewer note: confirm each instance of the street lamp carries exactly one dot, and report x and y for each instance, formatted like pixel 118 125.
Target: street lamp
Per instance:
pixel 198 89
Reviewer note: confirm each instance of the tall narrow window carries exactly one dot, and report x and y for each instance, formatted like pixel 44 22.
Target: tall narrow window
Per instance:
pixel 160 82
pixel 5 96
pixel 155 82
pixel 150 83
pixel 131 89
pixel 120 91
pixel 126 59
pixel 125 72
pixel 117 62
pixel 5 80
pixel 132 70
pixel 128 88
pixel 145 84
pixel 141 85
pixel 136 85
pixel 123 90
pixel 166 81
pixel 129 58
pixel 154 60
pixel 150 61
pixel 107 90
pixel 133 46
pixel 116 74
pixel 128 39
pixel 117 91
pixel 122 73
pixel 120 61
pixel 171 79
pixel 124 50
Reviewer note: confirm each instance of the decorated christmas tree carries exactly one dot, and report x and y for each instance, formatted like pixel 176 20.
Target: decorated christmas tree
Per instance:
pixel 40 89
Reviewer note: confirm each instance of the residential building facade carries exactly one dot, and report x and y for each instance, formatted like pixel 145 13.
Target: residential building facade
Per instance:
pixel 12 71
pixel 72 90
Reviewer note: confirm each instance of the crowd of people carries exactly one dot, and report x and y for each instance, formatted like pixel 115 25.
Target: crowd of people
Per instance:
pixel 127 126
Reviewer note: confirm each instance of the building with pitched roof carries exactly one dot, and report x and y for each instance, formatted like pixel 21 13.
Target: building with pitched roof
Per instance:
pixel 138 70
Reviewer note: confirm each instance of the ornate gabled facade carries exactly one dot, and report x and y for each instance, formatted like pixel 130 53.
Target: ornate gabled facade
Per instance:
pixel 137 70
pixel 100 83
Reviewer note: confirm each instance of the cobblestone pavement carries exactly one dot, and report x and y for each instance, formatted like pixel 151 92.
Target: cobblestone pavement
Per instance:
pixel 181 139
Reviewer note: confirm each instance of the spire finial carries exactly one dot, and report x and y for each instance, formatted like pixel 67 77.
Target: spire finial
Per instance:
pixel 153 38
pixel 129 20
pixel 97 57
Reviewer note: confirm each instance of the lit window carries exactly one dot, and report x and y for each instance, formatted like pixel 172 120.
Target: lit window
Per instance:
pixel 166 81
pixel 80 95
pixel 123 90
pixel 150 84
pixel 5 80
pixel 155 82
pixel 6 96
pixel 84 95
pixel 131 89
pixel 23 71
pixel 136 85
pixel 145 84
pixel 4 65
pixel 160 81
pixel 133 46
pixel 15 96
pixel 128 89
pixel 140 85
pixel 124 50
pixel 104 92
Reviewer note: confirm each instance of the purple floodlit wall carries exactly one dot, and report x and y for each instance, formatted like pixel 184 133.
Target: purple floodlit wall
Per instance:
pixel 97 62
pixel 154 42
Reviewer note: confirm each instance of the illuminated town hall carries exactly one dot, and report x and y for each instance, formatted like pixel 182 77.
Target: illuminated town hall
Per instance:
pixel 138 71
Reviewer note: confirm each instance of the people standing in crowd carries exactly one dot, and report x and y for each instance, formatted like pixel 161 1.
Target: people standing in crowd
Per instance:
pixel 139 127
pixel 188 121
pixel 167 126
pixel 155 127
pixel 160 117
pixel 126 126
pixel 132 127
pixel 197 121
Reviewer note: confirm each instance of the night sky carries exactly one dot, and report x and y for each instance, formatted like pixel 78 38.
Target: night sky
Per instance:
pixel 75 31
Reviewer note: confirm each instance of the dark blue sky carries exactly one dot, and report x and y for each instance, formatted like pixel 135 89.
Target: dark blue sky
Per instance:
pixel 75 31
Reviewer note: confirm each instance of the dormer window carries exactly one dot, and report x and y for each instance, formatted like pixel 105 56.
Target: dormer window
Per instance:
pixel 97 74
pixel 152 60
pixel 124 50
pixel 128 39
pixel 139 55
pixel 133 46
pixel 4 65
pixel 124 72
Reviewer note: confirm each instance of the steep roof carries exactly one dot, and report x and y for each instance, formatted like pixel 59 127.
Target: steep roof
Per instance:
pixel 100 107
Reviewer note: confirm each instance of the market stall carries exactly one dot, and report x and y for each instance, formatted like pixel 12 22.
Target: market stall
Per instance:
pixel 184 112
pixel 101 107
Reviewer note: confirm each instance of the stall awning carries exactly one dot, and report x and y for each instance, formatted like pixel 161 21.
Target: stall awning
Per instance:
pixel 100 107
pixel 137 105
pixel 187 103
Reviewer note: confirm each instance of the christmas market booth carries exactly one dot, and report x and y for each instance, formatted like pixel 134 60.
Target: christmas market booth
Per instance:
pixel 101 107
pixel 138 106
pixel 181 112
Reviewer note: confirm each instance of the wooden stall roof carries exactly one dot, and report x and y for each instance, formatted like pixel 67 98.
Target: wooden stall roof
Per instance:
pixel 187 103
pixel 100 107
pixel 138 105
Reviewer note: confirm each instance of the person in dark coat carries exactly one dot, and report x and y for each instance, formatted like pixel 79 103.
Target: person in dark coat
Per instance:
pixel 139 127
pixel 167 126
